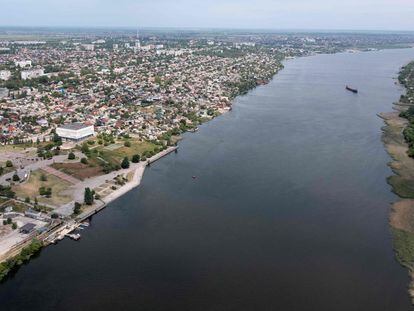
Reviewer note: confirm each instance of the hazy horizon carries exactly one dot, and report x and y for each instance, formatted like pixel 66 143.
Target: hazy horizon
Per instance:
pixel 294 15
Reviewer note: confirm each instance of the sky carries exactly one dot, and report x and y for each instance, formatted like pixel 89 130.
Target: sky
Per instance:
pixel 248 14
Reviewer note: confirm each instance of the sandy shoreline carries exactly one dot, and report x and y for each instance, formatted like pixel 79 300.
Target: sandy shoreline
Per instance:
pixel 401 217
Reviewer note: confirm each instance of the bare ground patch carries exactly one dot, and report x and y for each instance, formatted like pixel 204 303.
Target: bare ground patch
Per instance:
pixel 78 170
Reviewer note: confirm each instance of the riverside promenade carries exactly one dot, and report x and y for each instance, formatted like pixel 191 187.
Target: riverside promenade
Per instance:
pixel 137 169
pixel 59 230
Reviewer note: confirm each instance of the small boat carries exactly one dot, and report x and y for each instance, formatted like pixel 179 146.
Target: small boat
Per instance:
pixel 75 236
pixel 351 89
pixel 194 177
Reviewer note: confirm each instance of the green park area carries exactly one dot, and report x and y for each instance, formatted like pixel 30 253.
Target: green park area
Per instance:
pixel 107 152
pixel 46 188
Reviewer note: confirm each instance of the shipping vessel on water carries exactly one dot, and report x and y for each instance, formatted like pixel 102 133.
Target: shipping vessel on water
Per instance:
pixel 351 89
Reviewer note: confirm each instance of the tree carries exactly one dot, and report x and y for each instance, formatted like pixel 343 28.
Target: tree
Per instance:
pixel 88 196
pixel 127 144
pixel 27 200
pixel 84 161
pixel 14 226
pixel 1 170
pixel 57 139
pixel 16 177
pixel 71 156
pixel 45 191
pixel 85 148
pixel 125 163
pixel 77 209
pixel 136 158
pixel 9 163
pixel 43 177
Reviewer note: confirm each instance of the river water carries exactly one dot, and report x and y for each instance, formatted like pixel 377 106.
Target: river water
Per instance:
pixel 289 210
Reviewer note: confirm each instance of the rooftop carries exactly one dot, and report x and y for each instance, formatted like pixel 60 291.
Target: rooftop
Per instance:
pixel 74 126
pixel 27 227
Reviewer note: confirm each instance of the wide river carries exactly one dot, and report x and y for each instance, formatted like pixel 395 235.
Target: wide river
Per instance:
pixel 289 210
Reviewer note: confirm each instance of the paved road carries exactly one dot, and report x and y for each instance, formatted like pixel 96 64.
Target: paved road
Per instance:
pixel 34 166
pixel 70 179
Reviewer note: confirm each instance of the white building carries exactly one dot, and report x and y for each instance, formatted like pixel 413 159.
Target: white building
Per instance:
pixel 88 47
pixel 147 47
pixel 32 73
pixel 43 122
pixel 23 63
pixel 4 92
pixel 5 74
pixel 75 131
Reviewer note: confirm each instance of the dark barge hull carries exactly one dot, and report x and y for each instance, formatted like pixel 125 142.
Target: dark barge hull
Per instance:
pixel 351 89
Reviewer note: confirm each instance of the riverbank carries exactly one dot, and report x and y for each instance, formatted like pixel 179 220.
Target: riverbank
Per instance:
pixel 111 186
pixel 402 212
pixel 136 172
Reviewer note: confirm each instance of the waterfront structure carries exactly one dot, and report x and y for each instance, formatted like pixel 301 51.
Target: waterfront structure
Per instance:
pixel 75 131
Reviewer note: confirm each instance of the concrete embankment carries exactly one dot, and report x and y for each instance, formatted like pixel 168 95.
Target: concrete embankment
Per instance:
pixel 138 170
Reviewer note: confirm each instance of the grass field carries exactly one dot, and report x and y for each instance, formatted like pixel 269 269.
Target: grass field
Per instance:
pixel 31 189
pixel 116 152
pixel 79 170
pixel 137 147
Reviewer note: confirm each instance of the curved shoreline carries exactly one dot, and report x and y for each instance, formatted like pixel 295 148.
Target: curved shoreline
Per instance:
pixel 136 169
pixel 401 218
